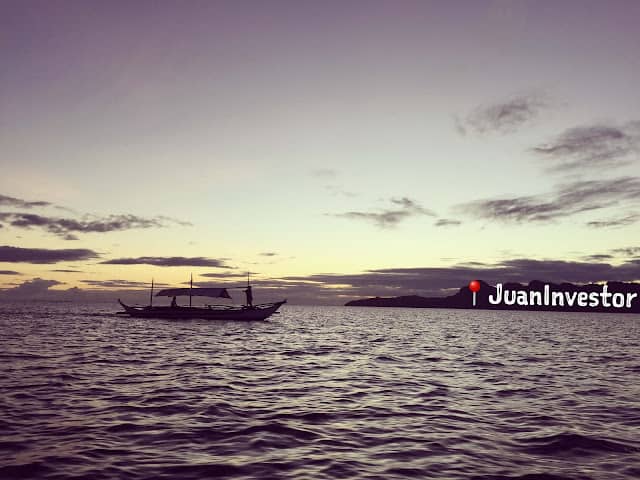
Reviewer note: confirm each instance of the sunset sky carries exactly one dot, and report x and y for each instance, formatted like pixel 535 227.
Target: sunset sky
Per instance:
pixel 336 148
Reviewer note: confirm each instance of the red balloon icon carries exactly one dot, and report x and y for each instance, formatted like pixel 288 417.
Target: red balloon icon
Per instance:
pixel 474 286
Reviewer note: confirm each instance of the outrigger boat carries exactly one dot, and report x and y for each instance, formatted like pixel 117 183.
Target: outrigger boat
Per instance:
pixel 248 312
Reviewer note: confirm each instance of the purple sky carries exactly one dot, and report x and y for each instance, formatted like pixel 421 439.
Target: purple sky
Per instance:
pixel 342 136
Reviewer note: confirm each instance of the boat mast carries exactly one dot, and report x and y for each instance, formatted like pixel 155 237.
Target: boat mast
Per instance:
pixel 190 288
pixel 151 294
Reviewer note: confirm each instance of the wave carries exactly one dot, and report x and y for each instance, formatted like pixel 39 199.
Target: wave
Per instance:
pixel 576 444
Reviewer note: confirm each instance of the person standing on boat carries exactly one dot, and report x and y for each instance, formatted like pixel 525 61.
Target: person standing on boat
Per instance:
pixel 174 304
pixel 249 295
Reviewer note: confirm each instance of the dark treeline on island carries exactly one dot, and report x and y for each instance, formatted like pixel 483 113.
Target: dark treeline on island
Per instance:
pixel 612 297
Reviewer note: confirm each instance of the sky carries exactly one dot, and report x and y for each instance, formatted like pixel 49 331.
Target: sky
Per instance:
pixel 335 149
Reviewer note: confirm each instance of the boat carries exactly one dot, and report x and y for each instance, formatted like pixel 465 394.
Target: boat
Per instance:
pixel 247 312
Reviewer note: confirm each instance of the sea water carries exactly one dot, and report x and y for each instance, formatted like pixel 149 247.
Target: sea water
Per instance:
pixel 319 393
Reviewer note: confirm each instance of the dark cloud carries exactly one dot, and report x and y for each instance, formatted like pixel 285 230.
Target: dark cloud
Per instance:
pixel 592 146
pixel 334 288
pixel 504 117
pixel 169 262
pixel 43 255
pixel 67 227
pixel 6 201
pixel 446 222
pixel 566 200
pixel 443 280
pixel 430 281
pixel 403 208
pixel 225 275
pixel 294 291
pixel 616 255
pixel 60 270
pixel 598 257
pixel 120 284
pixel 627 251
pixel 9 272
pixel 268 254
pixel 615 222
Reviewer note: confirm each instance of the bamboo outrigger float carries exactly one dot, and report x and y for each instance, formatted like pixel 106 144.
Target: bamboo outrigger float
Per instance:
pixel 248 312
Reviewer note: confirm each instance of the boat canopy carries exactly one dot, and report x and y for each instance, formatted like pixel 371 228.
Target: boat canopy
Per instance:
pixel 194 292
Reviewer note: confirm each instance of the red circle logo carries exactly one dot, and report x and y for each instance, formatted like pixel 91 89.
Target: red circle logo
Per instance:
pixel 474 286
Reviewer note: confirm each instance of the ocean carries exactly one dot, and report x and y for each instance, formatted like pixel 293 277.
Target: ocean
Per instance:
pixel 319 393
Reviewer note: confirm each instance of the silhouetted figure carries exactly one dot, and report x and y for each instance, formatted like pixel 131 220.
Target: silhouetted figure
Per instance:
pixel 249 295
pixel 174 304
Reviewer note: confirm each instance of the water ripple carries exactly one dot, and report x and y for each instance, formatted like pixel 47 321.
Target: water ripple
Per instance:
pixel 319 393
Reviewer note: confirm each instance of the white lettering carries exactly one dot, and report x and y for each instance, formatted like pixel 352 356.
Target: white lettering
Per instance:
pixel 557 299
pixel 605 295
pixel 618 300
pixel 582 299
pixel 546 297
pixel 498 298
pixel 522 298
pixel 546 294
pixel 536 297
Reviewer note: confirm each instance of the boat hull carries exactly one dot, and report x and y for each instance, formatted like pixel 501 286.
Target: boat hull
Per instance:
pixel 256 313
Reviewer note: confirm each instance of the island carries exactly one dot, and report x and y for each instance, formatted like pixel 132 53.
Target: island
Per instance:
pixel 610 297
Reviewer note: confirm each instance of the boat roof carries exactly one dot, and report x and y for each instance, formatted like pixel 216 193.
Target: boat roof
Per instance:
pixel 194 292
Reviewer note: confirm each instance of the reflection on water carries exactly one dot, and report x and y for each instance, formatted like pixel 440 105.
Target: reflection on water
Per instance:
pixel 319 392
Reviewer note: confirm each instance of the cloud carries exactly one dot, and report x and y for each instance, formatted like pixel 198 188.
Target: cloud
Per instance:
pixel 503 117
pixel 43 255
pixel 182 223
pixel 333 188
pixel 403 209
pixel 446 222
pixel 565 200
pixel 66 271
pixel 325 173
pixel 268 254
pixel 169 262
pixel 6 201
pixel 9 272
pixel 615 222
pixel 31 288
pixel 66 227
pixel 337 190
pixel 592 146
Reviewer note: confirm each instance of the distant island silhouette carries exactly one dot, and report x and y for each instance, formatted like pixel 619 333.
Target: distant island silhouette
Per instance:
pixel 464 298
